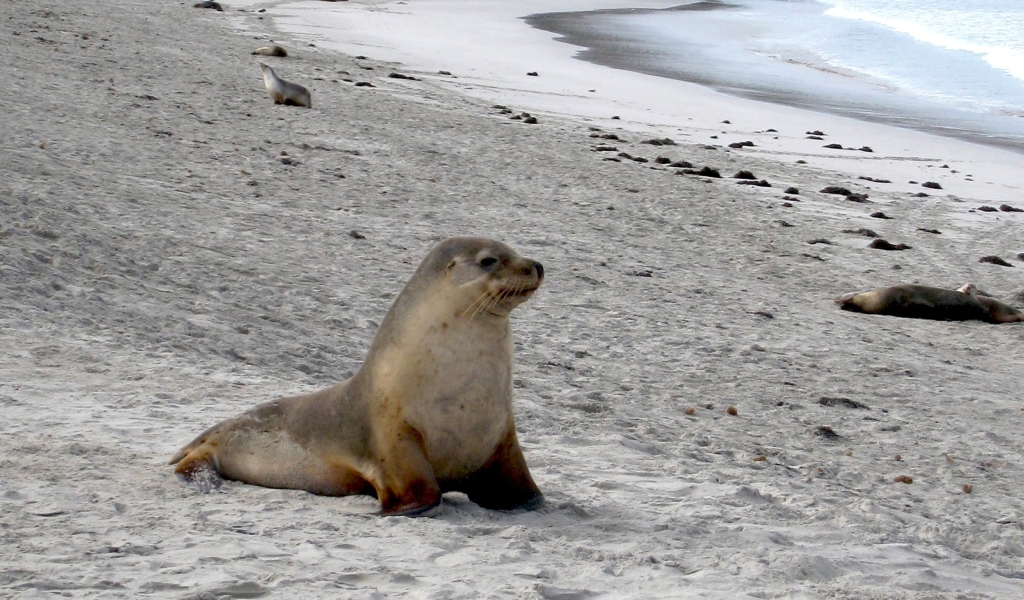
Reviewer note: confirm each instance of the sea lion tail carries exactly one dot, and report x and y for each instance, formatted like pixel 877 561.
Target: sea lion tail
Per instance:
pixel 180 454
pixel 845 301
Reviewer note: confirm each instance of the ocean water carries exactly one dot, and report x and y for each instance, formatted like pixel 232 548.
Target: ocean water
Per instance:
pixel 950 67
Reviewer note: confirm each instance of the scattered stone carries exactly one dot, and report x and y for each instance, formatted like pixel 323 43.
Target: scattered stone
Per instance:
pixel 790 199
pixel 865 149
pixel 762 183
pixel 530 120
pixel 987 208
pixel 782 223
pixel 931 185
pixel 880 244
pixel 771 130
pixel 787 204
pixel 815 137
pixel 919 195
pixel 659 142
pixel 615 117
pixel 741 144
pixel 830 401
pixel 907 479
pixel 926 230
pixel 1008 208
pixel 364 84
pixel 663 160
pixel 816 132
pixel 862 231
pixel 532 74
pixel 801 162
pixel 731 410
pixel 764 313
pixel 833 146
pixel 744 175
pixel 819 241
pixel 609 136
pixel 356 235
pixel 874 180
pixel 605 149
pixel 995 260
pixel 862 198
pixel 826 432
pixel 639 159
pixel 727 122
pixel 689 410
pixel 759 458
pixel 879 215
pixel 444 72
pixel 792 190
pixel 274 50
pixel 682 164
pixel 967 488
pixel 834 189
pixel 625 155
pixel 209 4
pixel 400 76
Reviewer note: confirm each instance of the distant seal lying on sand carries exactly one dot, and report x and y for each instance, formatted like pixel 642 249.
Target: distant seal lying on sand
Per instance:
pixel 285 92
pixel 924 302
pixel 429 411
pixel 274 50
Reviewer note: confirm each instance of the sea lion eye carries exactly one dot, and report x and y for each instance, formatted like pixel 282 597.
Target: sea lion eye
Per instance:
pixel 488 262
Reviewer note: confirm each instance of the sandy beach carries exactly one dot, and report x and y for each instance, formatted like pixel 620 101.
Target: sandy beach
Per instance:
pixel 175 248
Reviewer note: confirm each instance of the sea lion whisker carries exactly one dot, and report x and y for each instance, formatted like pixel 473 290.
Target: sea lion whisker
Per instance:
pixel 472 305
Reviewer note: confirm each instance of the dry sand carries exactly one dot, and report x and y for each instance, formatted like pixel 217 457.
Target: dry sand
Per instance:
pixel 161 268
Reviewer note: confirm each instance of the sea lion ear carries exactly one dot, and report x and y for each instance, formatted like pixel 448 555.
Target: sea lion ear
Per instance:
pixel 451 264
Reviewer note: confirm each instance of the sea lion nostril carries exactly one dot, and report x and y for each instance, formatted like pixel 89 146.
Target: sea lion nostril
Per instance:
pixel 540 269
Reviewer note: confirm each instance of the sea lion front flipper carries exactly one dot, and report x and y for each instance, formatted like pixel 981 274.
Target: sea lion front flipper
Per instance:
pixel 504 483
pixel 410 488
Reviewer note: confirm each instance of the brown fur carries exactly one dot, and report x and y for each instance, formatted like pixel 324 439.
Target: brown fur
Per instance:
pixel 429 411
pixel 924 302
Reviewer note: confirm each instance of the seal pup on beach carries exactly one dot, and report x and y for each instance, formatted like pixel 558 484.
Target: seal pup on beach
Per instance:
pixel 925 302
pixel 285 92
pixel 273 50
pixel 429 411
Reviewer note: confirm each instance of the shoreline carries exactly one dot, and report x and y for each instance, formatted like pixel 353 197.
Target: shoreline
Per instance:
pixel 176 249
pixel 580 90
pixel 605 45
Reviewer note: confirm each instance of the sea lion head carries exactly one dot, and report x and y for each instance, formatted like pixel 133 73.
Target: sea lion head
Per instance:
pixel 970 289
pixel 487 276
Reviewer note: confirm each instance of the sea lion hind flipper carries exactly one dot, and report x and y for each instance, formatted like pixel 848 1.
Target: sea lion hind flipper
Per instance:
pixel 199 474
pixel 504 483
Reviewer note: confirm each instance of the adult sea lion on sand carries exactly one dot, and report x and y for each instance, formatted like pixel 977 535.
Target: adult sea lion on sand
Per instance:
pixel 285 92
pixel 429 411
pixel 924 302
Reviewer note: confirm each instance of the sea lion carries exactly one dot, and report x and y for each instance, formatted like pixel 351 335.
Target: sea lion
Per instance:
pixel 429 411
pixel 273 50
pixel 924 302
pixel 285 92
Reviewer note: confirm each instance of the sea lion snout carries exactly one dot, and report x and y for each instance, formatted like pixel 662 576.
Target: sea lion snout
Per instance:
pixel 539 268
